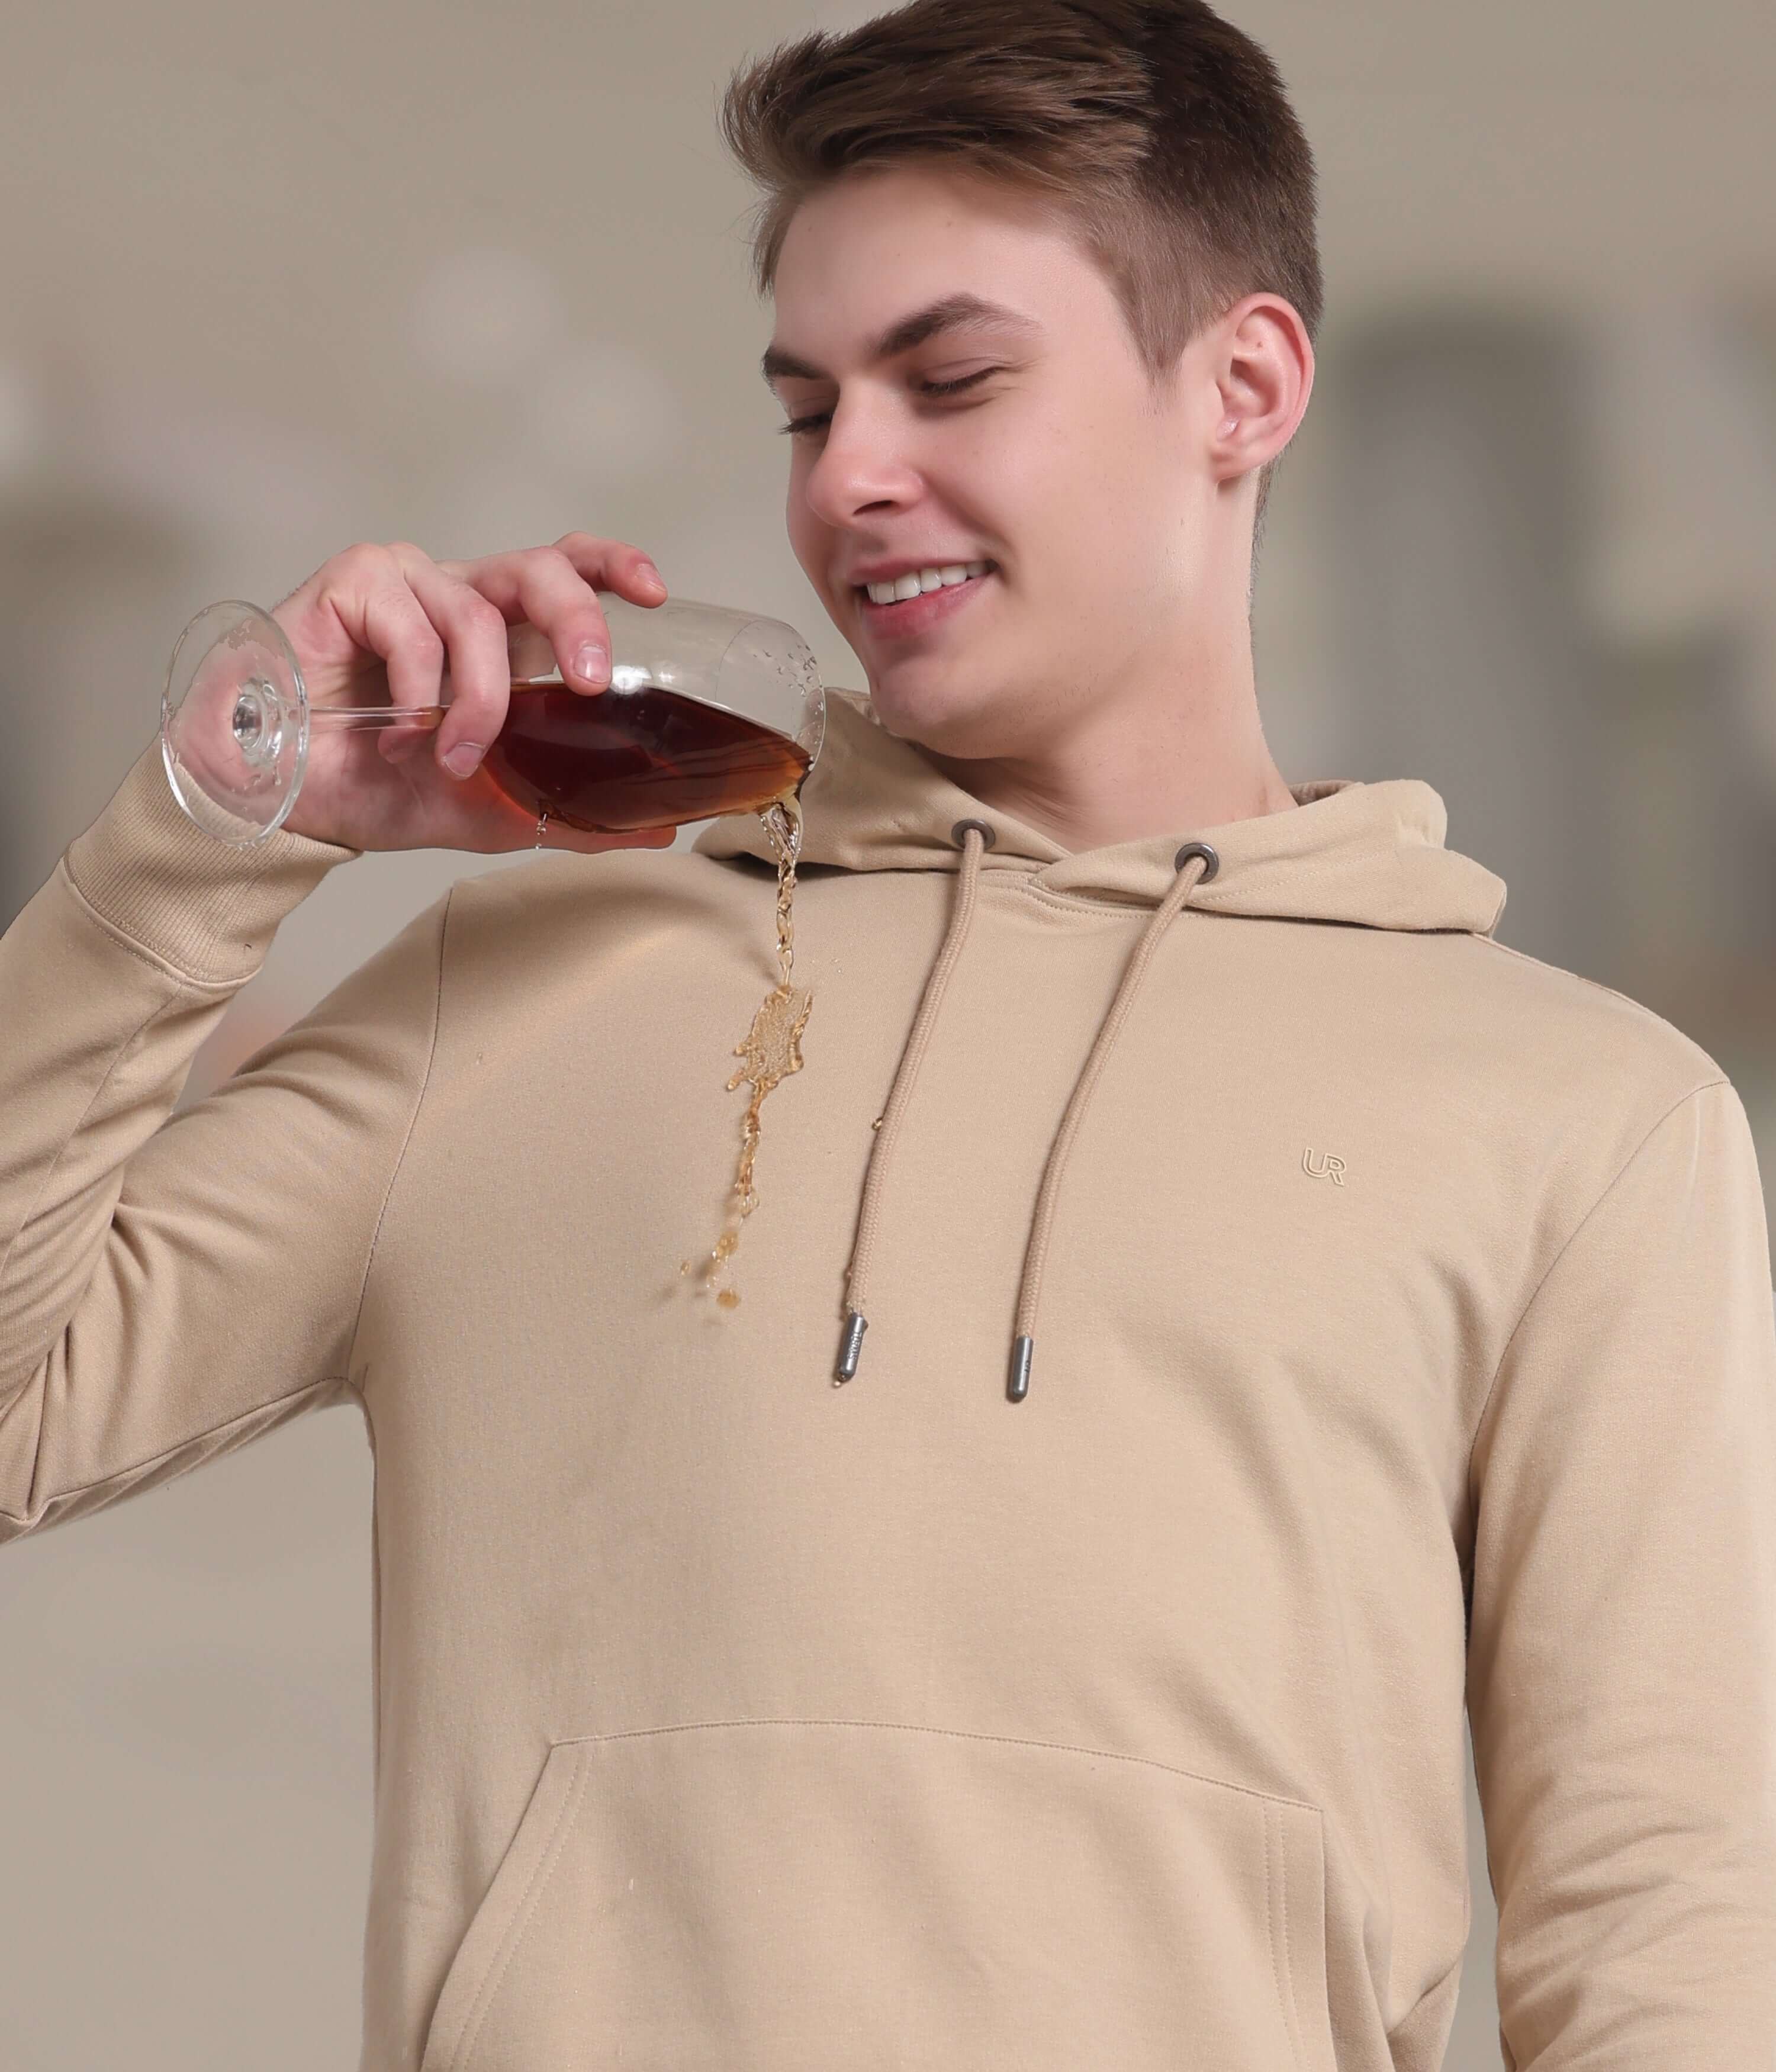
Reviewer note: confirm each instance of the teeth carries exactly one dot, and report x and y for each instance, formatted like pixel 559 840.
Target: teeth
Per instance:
pixel 917 580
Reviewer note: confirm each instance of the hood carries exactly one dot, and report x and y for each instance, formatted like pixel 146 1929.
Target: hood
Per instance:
pixel 1367 853
pixel 1372 853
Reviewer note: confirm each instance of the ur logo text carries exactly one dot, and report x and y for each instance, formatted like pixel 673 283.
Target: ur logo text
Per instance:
pixel 1331 1167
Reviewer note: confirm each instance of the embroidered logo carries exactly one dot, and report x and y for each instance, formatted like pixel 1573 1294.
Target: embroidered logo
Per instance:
pixel 1331 1167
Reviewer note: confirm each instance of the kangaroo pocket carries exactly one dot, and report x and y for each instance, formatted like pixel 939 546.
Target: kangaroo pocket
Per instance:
pixel 809 1896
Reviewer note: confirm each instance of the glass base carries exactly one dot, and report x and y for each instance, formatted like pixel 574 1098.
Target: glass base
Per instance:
pixel 234 723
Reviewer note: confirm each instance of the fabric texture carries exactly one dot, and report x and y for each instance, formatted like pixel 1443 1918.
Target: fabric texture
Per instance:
pixel 1277 1317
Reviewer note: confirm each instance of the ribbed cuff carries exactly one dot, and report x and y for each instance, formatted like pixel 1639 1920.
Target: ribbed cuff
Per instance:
pixel 208 909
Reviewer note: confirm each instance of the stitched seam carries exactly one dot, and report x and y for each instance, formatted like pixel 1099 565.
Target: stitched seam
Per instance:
pixel 1065 903
pixel 412 1124
pixel 1597 985
pixel 134 1037
pixel 1479 1424
pixel 152 958
pixel 1018 887
pixel 1275 1915
pixel 542 1872
pixel 1434 1988
pixel 956 1733
pixel 161 969
pixel 55 1167
pixel 184 984
pixel 214 1431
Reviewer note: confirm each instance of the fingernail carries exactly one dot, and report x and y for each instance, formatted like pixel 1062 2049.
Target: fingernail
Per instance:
pixel 649 573
pixel 462 760
pixel 591 662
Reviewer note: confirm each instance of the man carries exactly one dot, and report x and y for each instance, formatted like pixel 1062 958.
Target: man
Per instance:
pixel 1290 1314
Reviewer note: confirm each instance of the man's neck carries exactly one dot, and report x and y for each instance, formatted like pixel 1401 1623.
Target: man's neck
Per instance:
pixel 1143 764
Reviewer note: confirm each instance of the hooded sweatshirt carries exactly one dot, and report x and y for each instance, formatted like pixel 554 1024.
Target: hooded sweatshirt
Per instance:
pixel 1031 1629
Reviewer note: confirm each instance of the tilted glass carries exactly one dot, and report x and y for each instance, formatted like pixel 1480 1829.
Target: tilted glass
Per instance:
pixel 709 710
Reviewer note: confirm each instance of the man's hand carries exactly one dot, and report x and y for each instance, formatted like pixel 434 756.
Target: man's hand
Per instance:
pixel 378 623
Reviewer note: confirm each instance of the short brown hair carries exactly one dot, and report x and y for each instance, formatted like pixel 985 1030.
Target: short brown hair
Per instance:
pixel 1158 133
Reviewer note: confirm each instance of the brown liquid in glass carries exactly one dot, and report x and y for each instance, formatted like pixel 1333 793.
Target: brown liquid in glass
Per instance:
pixel 611 762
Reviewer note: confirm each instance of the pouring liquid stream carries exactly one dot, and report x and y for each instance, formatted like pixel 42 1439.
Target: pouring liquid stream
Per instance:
pixel 771 1050
pixel 644 758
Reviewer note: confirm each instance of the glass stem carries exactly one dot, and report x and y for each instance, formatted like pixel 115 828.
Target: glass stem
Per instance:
pixel 366 719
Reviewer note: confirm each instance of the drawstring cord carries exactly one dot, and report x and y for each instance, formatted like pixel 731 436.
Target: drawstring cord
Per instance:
pixel 1036 1255
pixel 975 837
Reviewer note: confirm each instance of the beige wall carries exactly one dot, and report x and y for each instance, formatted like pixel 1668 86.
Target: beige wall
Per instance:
pixel 277 279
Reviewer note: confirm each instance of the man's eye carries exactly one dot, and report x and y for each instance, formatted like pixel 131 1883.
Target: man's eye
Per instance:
pixel 927 388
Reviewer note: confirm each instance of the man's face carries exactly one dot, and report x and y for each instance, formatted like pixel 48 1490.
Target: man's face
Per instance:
pixel 1092 499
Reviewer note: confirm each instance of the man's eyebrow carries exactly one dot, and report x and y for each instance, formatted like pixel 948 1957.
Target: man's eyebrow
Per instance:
pixel 948 313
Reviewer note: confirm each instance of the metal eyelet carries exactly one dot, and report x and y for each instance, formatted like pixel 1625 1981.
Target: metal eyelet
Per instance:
pixel 961 829
pixel 1197 848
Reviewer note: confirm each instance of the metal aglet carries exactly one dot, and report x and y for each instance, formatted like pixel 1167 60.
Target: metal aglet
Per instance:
pixel 855 1326
pixel 1017 1388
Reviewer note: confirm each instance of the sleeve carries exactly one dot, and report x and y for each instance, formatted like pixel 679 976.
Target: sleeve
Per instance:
pixel 1621 1659
pixel 171 1288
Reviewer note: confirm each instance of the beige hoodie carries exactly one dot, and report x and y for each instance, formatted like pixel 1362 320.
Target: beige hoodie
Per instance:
pixel 1290 1315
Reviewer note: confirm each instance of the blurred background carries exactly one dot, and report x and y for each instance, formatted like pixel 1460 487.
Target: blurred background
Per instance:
pixel 275 282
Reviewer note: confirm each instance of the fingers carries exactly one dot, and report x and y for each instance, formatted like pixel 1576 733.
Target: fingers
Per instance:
pixel 473 629
pixel 364 592
pixel 541 586
pixel 552 589
pixel 614 566
pixel 422 617
pixel 396 626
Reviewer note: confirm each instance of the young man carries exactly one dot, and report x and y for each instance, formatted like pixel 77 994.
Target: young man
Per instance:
pixel 1290 1314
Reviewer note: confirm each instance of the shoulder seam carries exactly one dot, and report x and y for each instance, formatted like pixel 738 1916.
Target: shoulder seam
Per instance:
pixel 1564 1246
pixel 1597 985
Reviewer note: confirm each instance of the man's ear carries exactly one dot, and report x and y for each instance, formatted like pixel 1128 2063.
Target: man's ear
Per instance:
pixel 1264 373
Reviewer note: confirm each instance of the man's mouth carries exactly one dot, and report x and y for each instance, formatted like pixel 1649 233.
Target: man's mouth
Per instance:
pixel 931 607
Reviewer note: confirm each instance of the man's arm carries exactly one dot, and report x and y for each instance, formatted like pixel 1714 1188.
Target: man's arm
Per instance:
pixel 171 1288
pixel 1621 1659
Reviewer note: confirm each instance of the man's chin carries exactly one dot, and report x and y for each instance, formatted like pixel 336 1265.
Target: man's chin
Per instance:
pixel 933 713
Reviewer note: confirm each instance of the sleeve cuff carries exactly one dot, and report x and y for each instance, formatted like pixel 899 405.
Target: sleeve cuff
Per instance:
pixel 205 908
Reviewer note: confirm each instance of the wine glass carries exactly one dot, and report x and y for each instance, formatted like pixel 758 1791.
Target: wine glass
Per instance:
pixel 708 711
